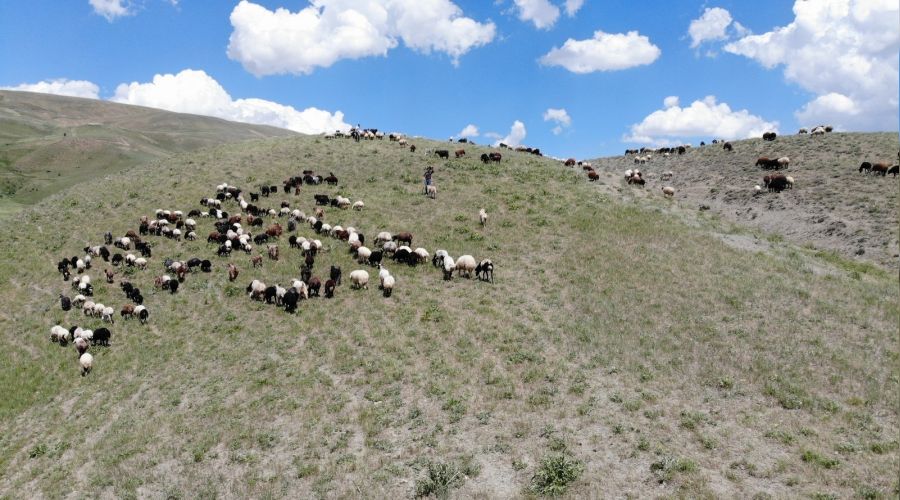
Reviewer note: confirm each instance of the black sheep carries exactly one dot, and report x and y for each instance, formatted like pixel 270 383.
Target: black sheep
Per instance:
pixel 269 295
pixel 173 286
pixel 64 302
pixel 335 275
pixel 101 337
pixel 206 266
pixel 329 289
pixel 290 300
pixel 376 257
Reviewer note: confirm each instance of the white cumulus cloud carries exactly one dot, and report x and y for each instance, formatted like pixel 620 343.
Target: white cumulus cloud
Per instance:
pixel 845 52
pixel 72 88
pixel 560 117
pixel 603 52
pixel 192 91
pixel 469 131
pixel 270 42
pixel 515 137
pixel 112 9
pixel 704 118
pixel 540 12
pixel 573 6
pixel 712 25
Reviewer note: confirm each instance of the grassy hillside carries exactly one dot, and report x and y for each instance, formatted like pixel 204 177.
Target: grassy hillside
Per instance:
pixel 49 142
pixel 832 208
pixel 627 348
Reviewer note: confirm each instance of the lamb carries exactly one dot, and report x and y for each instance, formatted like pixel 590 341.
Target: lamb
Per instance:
pixel 482 217
pixel 360 279
pixel 465 264
pixel 387 285
pixel 87 363
pixel 668 191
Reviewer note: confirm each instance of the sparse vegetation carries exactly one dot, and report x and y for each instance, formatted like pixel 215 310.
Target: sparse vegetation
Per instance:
pixel 624 348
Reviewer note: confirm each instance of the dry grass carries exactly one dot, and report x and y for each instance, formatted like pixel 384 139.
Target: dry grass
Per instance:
pixel 627 337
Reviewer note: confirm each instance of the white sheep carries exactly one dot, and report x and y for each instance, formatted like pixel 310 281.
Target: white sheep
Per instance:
pixel 257 289
pixel 482 216
pixel 422 254
pixel 98 310
pixel 335 230
pixel 140 262
pixel 757 189
pixel 382 272
pixel 87 363
pixel 668 191
pixel 387 285
pixel 108 313
pixel 363 254
pixel 431 191
pixel 389 246
pixel 88 308
pixel 57 333
pixel 360 279
pixel 790 182
pixel 359 205
pixel 81 345
pixel 449 267
pixel 466 264
pixel 78 300
pixel 382 237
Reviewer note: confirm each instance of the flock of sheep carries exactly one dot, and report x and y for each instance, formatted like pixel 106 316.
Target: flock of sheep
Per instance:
pixel 231 234
pixel 774 182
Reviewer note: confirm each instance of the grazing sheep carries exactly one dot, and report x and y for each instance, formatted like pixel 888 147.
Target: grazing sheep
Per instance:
pixel 57 333
pixel 482 217
pixel 256 289
pixel 142 313
pixel 273 252
pixel 329 288
pixel 387 285
pixel 360 279
pixel 232 272
pixel 667 175
pixel 87 363
pixel 64 302
pixel 88 308
pixel 421 254
pixel 78 301
pixel 363 254
pixel 431 191
pixel 359 205
pixel 382 237
pixel 485 270
pixel 465 264
pixel 438 259
pixel 790 182
pixel 757 189
pixel 383 272
pixel 108 313
pixel 668 191
pixel 449 266
pixel 784 162
pixel 127 311
pixel 335 275
pixel 81 346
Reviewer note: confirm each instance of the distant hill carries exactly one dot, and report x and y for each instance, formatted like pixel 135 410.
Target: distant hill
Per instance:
pixel 49 142
pixel 832 207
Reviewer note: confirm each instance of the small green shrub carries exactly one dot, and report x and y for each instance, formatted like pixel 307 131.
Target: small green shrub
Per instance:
pixel 554 475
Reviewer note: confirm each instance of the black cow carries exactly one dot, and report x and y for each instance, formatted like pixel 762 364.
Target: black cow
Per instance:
pixel 442 153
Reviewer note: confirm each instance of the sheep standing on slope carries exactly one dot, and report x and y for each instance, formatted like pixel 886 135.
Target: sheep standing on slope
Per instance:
pixel 482 217
pixel 360 279
pixel 387 285
pixel 466 264
pixel 87 363
pixel 431 191
pixel 669 191
pixel 449 266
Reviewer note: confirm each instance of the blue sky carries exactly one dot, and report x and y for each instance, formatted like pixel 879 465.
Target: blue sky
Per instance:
pixel 432 67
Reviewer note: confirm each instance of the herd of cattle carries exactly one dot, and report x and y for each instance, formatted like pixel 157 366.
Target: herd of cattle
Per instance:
pixel 240 231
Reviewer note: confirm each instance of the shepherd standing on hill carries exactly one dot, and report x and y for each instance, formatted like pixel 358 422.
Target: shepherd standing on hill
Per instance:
pixel 428 172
